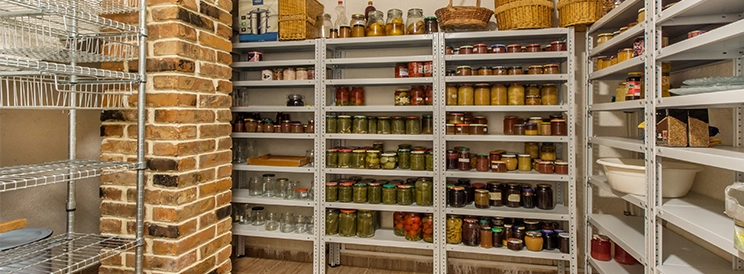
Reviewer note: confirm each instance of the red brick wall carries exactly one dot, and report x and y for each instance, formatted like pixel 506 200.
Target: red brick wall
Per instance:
pixel 187 196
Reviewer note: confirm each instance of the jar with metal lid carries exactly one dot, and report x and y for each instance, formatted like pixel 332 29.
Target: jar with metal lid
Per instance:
pixel 389 160
pixel 429 160
pixel 533 149
pixel 415 21
pixel 565 243
pixel 533 100
pixel 511 161
pixel 463 162
pixel 358 25
pixel 269 127
pixel 285 126
pixel 404 158
pixel 515 94
pixel 344 124
pixel 551 69
pixel 495 190
pixel 402 97
pixel 558 46
pixel 519 129
pixel 454 229
pixel 332 158
pixel 544 195
pixel 371 124
pixel 558 127
pixel 289 74
pixel 389 194
pixel 359 158
pixel 534 241
pixel 457 197
pixel 561 167
pixel 601 248
pixel 535 69
pixel 413 125
pixel 513 196
pixel 451 95
pixel 331 189
pixel 635 86
pixel 613 60
pixel 383 125
pixel 347 223
pixel 530 129
pixel 418 160
pixel 331 124
pixel 356 96
pixel 498 95
pixel 500 70
pixel 528 197
pixel 603 37
pixel 480 48
pixel 301 74
pixel 514 244
pixel 427 124
pixel 365 224
pixel 547 152
pixel 498 48
pixel 470 232
pixel 415 69
pixel 533 48
pixel 345 192
pixel 376 24
pixel 482 94
pixel 399 223
pixel 344 158
pixel 513 48
pixel 525 162
pixel 549 95
pixel 466 50
pixel 373 159
pixel 509 122
pixel 398 125
pixel 625 54
pixel 451 159
pixel 427 228
pixel 484 71
pixel 359 124
pixel 464 71
pixel 482 163
pixel 465 95
pixel 343 96
pixel 520 232
pixel 623 257
pixel 344 32
pixel 545 167
pixel 424 192
pixel 405 195
pixel 331 221
pixel 515 70
pixel 498 166
pixel 481 198
pixel 431 25
pixel 360 193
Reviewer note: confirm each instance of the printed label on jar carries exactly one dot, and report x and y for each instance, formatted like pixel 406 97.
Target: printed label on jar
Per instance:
pixel 464 160
pixel 513 198
pixel 403 72
pixel 428 68
pixel 496 196
pixel 634 88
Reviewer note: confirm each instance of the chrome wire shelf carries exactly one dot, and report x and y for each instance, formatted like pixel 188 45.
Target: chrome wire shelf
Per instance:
pixel 63 253
pixel 26 176
pixel 62 12
pixel 54 91
pixel 88 74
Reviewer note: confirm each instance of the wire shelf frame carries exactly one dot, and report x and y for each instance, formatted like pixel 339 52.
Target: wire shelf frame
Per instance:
pixel 63 253
pixel 54 91
pixel 61 11
pixel 27 176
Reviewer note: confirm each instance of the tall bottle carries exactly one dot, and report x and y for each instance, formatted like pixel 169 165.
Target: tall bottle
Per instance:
pixel 370 8
pixel 341 19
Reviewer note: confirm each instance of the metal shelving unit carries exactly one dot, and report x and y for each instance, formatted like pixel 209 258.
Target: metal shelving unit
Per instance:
pixel 646 237
pixel 44 42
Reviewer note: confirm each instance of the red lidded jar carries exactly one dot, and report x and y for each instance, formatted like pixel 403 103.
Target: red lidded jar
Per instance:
pixel 601 248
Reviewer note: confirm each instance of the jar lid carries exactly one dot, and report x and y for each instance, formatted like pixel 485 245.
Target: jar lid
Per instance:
pixel 389 186
pixel 536 66
pixel 481 191
pixel 635 73
pixel 347 183
pixel 548 85
pixel 405 186
pixel 558 42
pixel 514 45
pixel 515 67
pixel 600 237
pixel 549 163
pixel 461 125
pixel 509 156
pixel 533 45
pixel 404 150
pixel 558 121
pixel 476 125
pixel 564 235
pixel 536 118
pixel 464 149
pixel 348 210
pixel 344 116
pixel 514 241
pixel 360 117
pixel 463 67
pixel 480 45
pixel 472 221
pixel 383 118
pixel 547 231
pixel 331 184
pixel 401 89
pixel 534 234
pixel 641 10
pixel 431 17
pixel 530 124
pixel 479 185
pixel 561 163
pixel 623 29
pixel 524 155
pixel 397 117
pixel 332 150
pixel 531 222
pixel 412 117
pixel 301 189
pixel 418 151
pixel 482 85
pixel 498 45
pixel 498 162
pixel 466 47
pixel 359 150
pixel 497 230
pixel 360 184
pixel 427 116
pixel 389 154
pixel 373 151
pixel 458 188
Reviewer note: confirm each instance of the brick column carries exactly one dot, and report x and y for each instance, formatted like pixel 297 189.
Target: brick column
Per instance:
pixel 187 201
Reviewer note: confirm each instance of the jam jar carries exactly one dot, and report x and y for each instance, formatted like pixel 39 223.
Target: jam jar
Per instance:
pixel 482 198
pixel 511 161
pixel 513 196
pixel 515 70
pixel 535 69
pixel 516 94
pixel 466 50
pixel 500 70
pixel 545 167
pixel 551 69
pixel 544 196
pixel 623 257
pixel 470 232
pixel 452 159
pixel 509 122
pixel 601 248
pixel 480 48
pixel 534 241
pixel 343 124
pixel 332 158
pixel 514 48
pixel 528 197
pixel 495 190
pixel 464 71
pixel 558 127
pixel 485 71
pixel 457 196
pixel 532 48
pixel 463 161
pixel 498 48
pixel 405 195
pixel 561 167
pixel 418 159
pixel 558 46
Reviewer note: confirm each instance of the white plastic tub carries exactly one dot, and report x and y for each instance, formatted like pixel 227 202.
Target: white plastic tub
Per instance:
pixel 629 176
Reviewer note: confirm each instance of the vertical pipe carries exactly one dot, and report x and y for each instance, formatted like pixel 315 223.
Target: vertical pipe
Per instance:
pixel 653 169
pixel 438 65
pixel 588 100
pixel 70 205
pixel 141 114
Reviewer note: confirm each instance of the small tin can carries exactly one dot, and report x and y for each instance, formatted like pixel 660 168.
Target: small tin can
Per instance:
pixel 255 56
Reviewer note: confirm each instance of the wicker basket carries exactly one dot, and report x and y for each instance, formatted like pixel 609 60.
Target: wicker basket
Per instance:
pixel 524 14
pixel 463 18
pixel 297 19
pixel 579 12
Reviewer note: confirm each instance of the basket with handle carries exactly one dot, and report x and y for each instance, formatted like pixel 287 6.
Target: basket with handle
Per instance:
pixel 524 14
pixel 297 19
pixel 463 17
pixel 579 12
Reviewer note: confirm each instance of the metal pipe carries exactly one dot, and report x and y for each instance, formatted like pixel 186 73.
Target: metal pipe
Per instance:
pixel 70 204
pixel 141 114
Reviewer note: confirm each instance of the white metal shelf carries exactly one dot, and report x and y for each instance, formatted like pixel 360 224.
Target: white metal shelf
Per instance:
pixel 600 181
pixel 558 108
pixel 64 13
pixel 398 41
pixel 242 196
pixel 26 176
pixel 560 212
pixel 503 251
pixel 380 81
pixel 64 253
pixel 260 231
pixel 622 40
pixel 613 267
pixel 508 78
pixel 506 138
pixel 259 135
pixel 398 137
pixel 379 172
pixel 511 175
pixel 617 106
pixel 686 11
pixel 625 231
pixel 720 99
pixel 379 108
pixel 305 108
pixel 618 142
pixel 383 237
pixel 275 83
pixel 548 33
pixel 307 45
pixel 366 62
pixel 682 256
pixel 618 17
pixel 382 207
pixel 270 64
pixel 533 56
pixel 244 167
pixel 61 69
pixel 725 157
pixel 703 217
pixel 722 43
pixel 618 71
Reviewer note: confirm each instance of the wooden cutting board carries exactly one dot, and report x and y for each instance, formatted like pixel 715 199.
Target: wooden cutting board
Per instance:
pixel 12 225
pixel 278 160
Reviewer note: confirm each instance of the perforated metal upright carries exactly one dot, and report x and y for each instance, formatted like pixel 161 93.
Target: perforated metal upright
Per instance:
pixel 440 199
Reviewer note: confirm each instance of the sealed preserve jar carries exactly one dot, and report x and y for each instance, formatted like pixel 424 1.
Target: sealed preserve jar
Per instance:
pixel 547 152
pixel 451 95
pixel 331 221
pixel 515 70
pixel 360 193
pixel 402 97
pixel 470 232
pixel 376 24
pixel 601 248
pixel 549 95
pixel 404 158
pixel 344 124
pixel 331 189
pixel 551 69
pixel 465 95
pixel 347 223
pixel 500 70
pixel 482 198
pixel 389 194
pixel 405 195
pixel 544 195
pixel 413 125
pixel 516 94
pixel 383 125
pixel 331 124
pixel 418 160
pixel 373 159
pixel 482 94
pixel 398 125
pixel 427 124
pixel 344 158
pixel 359 124
pixel 424 192
pixel 561 167
pixel 535 69
pixel 513 196
pixel 499 95
pixel 345 192
pixel 359 158
pixel 374 193
pixel 332 158
pixel 389 160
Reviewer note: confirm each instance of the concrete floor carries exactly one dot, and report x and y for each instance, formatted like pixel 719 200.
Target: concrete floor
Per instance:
pixel 257 266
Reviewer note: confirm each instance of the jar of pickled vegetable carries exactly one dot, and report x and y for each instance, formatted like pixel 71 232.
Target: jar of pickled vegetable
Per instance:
pixel 360 193
pixel 344 124
pixel 535 69
pixel 389 194
pixel 427 124
pixel 398 125
pixel 359 158
pixel 429 160
pixel 331 189
pixel 359 124
pixel 532 149
pixel 427 228
pixel 374 193
pixel 515 94
pixel 402 97
pixel 415 21
pixel 424 192
pixel 405 195
pixel 413 125
pixel 399 224
pixel 418 160
pixel 365 224
pixel 394 25
pixel 344 158
pixel 343 96
pixel 454 229
pixel 404 158
pixel 533 100
pixel 331 221
pixel 465 94
pixel 345 192
pixel 332 158
pixel 485 71
pixel 547 152
pixel 499 95
pixel 451 95
pixel 515 70
pixel 347 223
pixel 383 125
pixel 549 94
pixel 482 94
pixel 500 70
pixel 389 160
pixel 376 24
pixel 373 159
pixel 331 124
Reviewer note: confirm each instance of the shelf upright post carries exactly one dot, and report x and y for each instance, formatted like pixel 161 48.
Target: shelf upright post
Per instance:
pixel 320 148
pixel 141 117
pixel 736 262
pixel 652 86
pixel 572 132
pixel 440 148
pixel 70 205
pixel 588 100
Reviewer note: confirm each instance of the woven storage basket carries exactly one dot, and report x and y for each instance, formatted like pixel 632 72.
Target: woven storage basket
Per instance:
pixel 579 12
pixel 463 18
pixel 524 14
pixel 297 19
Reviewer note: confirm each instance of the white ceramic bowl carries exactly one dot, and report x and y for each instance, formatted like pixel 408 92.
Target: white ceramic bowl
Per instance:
pixel 629 176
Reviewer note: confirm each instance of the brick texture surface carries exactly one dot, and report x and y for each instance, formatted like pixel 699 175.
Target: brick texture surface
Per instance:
pixel 187 192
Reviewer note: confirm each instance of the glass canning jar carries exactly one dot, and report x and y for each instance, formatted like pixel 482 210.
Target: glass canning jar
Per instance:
pixel 345 192
pixel 413 227
pixel 359 158
pixel 482 94
pixel 499 95
pixel 332 158
pixel 483 163
pixel 424 192
pixel 343 96
pixel 389 160
pixel 373 159
pixel 360 193
pixel 344 158
pixel 399 224
pixel 394 24
pixel 415 21
pixel 375 24
pixel 331 124
pixel 405 195
pixel 343 124
pixel 516 94
pixel 402 97
pixel 463 161
pixel 482 199
pixel 515 70
pixel 465 95
pixel 418 160
pixel 429 160
pixel 511 161
pixel 356 96
pixel 454 229
pixel 331 189
pixel 530 129
pixel 404 158
pixel 500 70
pixel 358 25
pixel 470 232
pixel 533 149
pixel 418 96
pixel 374 193
pixel 427 124
pixel 413 125
pixel 389 194
pixel 528 197
pixel 544 196
pixel 549 94
pixel 547 152
pixel 398 125
pixel 365 224
pixel 525 162
pixel 331 221
pixel 451 95
pixel 513 196
pixel 360 124
pixel 347 223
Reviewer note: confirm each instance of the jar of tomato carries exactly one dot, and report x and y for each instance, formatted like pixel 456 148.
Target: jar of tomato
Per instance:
pixel 415 69
pixel 401 70
pixel 343 96
pixel 427 224
pixel 399 223
pixel 418 96
pixel 357 96
pixel 413 227
pixel 429 95
pixel 601 248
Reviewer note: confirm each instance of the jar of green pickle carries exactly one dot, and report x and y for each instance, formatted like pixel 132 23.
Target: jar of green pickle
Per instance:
pixel 343 124
pixel 404 158
pixel 418 160
pixel 427 124
pixel 405 195
pixel 344 158
pixel 383 125
pixel 347 223
pixel 389 194
pixel 398 125
pixel 360 193
pixel 331 191
pixel 373 159
pixel 413 125
pixel 331 221
pixel 429 160
pixel 389 160
pixel 332 158
pixel 345 192
pixel 365 224
pixel 331 124
pixel 371 125
pixel 359 124
pixel 359 158
pixel 374 193
pixel 424 192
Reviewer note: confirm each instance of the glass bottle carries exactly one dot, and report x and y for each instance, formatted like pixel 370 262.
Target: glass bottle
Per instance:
pixel 394 23
pixel 341 19
pixel 370 8
pixel 415 21
pixel 375 24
